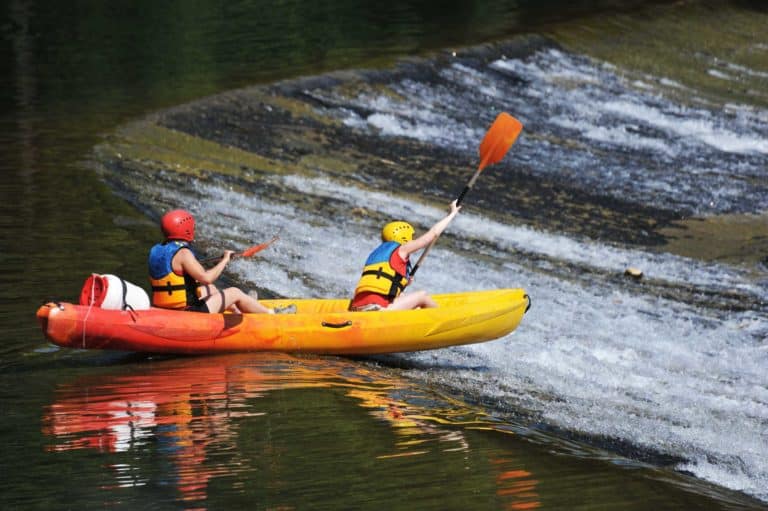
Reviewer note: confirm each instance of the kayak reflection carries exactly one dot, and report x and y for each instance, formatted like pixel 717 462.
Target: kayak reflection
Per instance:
pixel 184 422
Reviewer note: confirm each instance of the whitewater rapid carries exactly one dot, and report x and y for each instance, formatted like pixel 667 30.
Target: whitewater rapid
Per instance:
pixel 590 358
pixel 650 366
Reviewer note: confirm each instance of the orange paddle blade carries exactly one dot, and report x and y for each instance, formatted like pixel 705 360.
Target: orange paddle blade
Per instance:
pixel 258 248
pixel 499 138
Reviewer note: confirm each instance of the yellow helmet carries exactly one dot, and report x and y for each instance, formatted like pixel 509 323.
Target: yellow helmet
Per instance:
pixel 401 232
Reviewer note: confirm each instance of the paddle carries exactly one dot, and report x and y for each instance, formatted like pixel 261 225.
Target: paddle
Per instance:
pixel 496 142
pixel 248 252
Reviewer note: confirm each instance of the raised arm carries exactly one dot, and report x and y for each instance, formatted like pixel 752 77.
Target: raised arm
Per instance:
pixel 431 235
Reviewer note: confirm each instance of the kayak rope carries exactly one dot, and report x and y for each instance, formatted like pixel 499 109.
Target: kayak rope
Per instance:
pixel 90 304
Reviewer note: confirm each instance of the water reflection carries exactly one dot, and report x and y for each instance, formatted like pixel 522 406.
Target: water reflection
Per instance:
pixel 186 423
pixel 185 408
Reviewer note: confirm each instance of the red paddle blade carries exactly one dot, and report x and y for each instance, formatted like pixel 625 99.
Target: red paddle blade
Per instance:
pixel 499 138
pixel 258 248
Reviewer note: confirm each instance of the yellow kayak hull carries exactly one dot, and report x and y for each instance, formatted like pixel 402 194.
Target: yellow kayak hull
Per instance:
pixel 320 326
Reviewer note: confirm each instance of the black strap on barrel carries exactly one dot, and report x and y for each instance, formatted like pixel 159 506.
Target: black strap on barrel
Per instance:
pixel 126 305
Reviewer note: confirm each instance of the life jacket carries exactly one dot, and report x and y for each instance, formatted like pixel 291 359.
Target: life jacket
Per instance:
pixel 170 290
pixel 379 276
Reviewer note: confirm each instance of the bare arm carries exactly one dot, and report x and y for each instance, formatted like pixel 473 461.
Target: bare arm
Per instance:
pixel 431 235
pixel 185 262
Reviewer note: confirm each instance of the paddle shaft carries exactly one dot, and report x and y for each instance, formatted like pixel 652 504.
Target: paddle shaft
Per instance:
pixel 218 258
pixel 468 187
pixel 497 141
pixel 247 252
pixel 459 200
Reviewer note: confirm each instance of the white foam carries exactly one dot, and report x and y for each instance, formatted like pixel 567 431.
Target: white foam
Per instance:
pixel 390 124
pixel 616 135
pixel 590 358
pixel 685 124
pixel 595 358
pixel 721 75
pixel 508 237
pixel 744 70
pixel 598 127
pixel 646 371
pixel 589 103
pixel 667 82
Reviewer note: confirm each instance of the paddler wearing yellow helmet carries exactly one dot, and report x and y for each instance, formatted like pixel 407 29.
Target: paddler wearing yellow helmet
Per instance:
pixel 387 270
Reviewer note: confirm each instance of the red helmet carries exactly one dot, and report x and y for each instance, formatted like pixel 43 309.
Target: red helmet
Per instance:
pixel 178 225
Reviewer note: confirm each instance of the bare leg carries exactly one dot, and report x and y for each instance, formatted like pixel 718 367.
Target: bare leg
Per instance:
pixel 234 299
pixel 415 300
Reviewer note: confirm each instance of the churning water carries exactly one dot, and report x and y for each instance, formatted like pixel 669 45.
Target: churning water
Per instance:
pixel 673 365
pixel 661 366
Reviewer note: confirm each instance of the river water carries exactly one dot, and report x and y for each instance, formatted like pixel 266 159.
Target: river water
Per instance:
pixel 644 146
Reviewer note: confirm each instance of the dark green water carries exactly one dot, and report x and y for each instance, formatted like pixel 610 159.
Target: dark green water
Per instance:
pixel 95 430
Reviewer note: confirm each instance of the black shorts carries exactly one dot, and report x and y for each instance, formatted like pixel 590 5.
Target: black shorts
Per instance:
pixel 197 307
pixel 200 304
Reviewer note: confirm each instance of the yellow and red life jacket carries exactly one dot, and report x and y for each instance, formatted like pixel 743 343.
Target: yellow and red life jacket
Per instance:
pixel 380 274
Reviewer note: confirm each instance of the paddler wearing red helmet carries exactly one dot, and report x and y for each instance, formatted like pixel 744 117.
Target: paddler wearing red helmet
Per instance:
pixel 178 279
pixel 387 269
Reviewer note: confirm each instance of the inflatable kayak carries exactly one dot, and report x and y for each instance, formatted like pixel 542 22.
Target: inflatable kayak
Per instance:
pixel 320 326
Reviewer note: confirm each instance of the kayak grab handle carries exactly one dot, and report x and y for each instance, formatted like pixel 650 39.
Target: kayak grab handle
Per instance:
pixel 529 303
pixel 337 325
